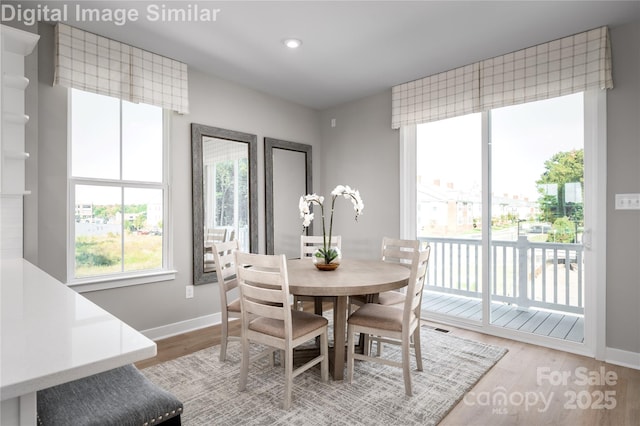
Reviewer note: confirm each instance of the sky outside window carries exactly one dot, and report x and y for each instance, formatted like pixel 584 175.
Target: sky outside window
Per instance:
pixel 95 136
pixel 95 140
pixel 523 138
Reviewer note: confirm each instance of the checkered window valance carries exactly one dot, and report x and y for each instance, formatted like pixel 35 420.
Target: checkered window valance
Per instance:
pixel 100 65
pixel 560 67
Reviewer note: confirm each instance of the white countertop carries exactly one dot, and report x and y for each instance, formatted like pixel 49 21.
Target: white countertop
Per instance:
pixel 50 334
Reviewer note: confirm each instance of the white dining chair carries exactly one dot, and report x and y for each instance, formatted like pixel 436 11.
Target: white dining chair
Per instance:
pixel 224 257
pixel 397 251
pixel 389 324
pixel 212 236
pixel 268 320
pixel 308 245
pixel 394 250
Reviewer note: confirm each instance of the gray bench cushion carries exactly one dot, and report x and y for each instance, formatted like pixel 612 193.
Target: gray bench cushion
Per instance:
pixel 122 396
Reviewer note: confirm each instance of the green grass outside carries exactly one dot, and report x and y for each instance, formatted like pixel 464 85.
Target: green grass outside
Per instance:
pixel 101 255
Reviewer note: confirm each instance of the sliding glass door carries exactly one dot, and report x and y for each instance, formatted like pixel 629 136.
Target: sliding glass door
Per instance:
pixel 507 248
pixel 537 217
pixel 449 201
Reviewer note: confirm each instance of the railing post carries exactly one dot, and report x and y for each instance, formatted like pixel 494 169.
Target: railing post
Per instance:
pixel 522 248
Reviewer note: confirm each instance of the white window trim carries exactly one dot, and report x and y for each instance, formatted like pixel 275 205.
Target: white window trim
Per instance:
pixel 595 137
pixel 123 279
pixel 106 282
pixel 408 166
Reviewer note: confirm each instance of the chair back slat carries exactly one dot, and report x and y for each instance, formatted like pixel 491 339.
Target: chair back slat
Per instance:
pixel 215 235
pixel 310 243
pixel 260 309
pixel 256 290
pixel 265 276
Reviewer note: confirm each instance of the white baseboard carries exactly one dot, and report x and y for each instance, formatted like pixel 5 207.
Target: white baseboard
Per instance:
pixel 623 358
pixel 180 327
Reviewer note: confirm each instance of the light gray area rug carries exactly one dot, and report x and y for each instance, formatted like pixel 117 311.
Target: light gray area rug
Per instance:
pixel 209 388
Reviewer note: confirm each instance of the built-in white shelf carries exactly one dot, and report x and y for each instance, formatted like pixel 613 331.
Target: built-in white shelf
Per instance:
pixel 15 118
pixel 15 155
pixel 13 81
pixel 18 41
pixel 15 44
pixel 15 194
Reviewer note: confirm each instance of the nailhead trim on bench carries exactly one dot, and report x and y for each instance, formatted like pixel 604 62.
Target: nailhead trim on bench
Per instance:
pixel 166 415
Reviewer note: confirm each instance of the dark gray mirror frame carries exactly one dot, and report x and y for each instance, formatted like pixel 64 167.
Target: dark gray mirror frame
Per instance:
pixel 198 131
pixel 269 145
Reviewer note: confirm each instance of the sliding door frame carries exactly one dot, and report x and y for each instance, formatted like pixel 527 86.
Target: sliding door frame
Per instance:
pixel 595 143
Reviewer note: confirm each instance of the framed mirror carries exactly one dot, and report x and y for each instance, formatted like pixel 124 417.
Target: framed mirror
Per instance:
pixel 288 175
pixel 225 194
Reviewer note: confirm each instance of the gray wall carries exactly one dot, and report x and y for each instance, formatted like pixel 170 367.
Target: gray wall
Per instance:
pixel 52 164
pixel 363 152
pixel 623 176
pixel 360 151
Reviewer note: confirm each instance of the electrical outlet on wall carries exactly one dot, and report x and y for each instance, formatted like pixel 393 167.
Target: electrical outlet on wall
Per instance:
pixel 627 201
pixel 189 294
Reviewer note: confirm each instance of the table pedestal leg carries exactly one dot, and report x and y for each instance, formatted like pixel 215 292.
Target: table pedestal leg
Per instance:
pixel 339 332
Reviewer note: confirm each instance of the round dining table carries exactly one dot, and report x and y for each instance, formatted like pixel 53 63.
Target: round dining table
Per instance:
pixel 353 277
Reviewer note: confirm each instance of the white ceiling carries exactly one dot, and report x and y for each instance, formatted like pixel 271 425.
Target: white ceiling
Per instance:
pixel 351 49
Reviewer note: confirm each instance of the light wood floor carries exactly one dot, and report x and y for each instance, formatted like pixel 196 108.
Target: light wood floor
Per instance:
pixel 519 376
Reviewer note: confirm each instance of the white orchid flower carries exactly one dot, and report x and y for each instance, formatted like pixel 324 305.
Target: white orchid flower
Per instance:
pixel 359 198
pixel 307 219
pixel 338 190
pixel 314 198
pixel 303 206
pixel 358 205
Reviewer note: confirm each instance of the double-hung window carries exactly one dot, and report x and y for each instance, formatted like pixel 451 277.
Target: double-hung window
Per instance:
pixel 118 191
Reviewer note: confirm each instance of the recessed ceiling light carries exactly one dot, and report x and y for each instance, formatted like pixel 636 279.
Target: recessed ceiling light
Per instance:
pixel 292 43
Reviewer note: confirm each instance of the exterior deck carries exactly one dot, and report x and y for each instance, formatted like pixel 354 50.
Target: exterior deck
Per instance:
pixel 552 324
pixel 535 287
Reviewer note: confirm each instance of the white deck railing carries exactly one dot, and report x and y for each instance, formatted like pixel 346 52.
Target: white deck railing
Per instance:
pixel 524 273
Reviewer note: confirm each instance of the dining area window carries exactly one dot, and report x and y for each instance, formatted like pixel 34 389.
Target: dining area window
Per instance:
pixel 117 186
pixel 119 101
